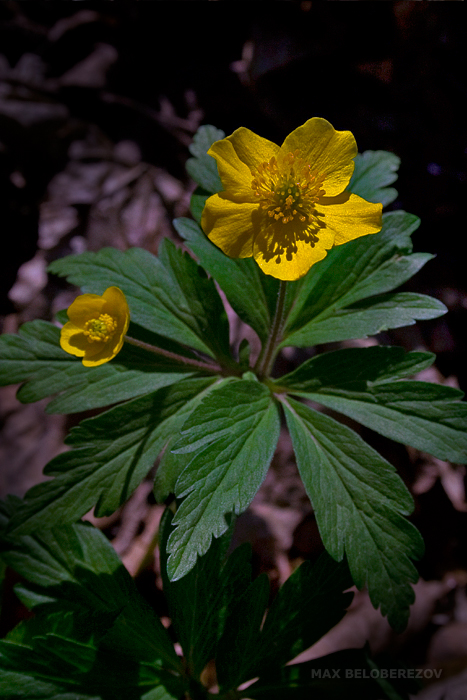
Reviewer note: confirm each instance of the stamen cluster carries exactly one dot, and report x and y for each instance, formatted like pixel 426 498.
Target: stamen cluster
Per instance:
pixel 287 190
pixel 100 329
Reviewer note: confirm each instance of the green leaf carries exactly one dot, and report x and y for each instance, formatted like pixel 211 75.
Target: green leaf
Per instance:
pixel 359 501
pixel 242 635
pixel 369 266
pixel 368 317
pixel 237 428
pixel 73 568
pixel 373 171
pixel 107 464
pixel 199 601
pixel 358 382
pixel 35 357
pixel 203 168
pixel 239 279
pixel 197 203
pixel 199 303
pixel 429 417
pixel 307 606
pixel 354 369
pixel 168 296
pixel 92 630
pixel 77 666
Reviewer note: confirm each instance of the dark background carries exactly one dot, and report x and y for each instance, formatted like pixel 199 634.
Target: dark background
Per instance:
pixel 150 73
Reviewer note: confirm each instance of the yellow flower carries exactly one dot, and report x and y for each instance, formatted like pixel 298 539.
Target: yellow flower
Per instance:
pixel 97 326
pixel 286 205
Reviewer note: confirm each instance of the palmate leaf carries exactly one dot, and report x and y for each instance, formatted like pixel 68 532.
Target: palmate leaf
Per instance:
pixel 359 382
pixel 169 295
pixel 34 356
pixel 106 462
pixel 359 502
pixel 235 431
pixel 346 295
pixel 374 170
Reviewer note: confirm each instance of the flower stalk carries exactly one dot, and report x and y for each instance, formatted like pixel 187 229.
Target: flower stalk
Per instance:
pixel 198 364
pixel 269 351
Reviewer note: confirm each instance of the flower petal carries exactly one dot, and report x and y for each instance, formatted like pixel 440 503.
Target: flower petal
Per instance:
pixel 102 354
pixel 300 253
pixel 72 340
pixel 84 307
pixel 237 156
pixel 327 151
pixel 117 306
pixel 349 216
pixel 229 225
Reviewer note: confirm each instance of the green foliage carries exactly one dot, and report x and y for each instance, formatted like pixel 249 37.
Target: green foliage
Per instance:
pixel 168 295
pixel 240 279
pixel 198 602
pixel 35 357
pixel 92 631
pixel 93 637
pixel 373 171
pixel 227 433
pixel 346 295
pixel 107 463
pixel 212 424
pixel 355 492
pixel 248 649
pixel 203 168
pixel 358 382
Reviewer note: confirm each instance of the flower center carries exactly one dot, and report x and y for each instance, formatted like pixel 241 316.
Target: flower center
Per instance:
pixel 101 329
pixel 288 192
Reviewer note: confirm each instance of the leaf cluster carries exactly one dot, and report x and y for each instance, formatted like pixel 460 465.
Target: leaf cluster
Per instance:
pixel 93 636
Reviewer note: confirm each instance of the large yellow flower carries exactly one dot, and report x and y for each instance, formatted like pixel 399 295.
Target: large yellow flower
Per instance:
pixel 97 326
pixel 286 205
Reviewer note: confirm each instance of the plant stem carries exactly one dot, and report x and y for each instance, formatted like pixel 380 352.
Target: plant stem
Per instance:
pixel 268 353
pixel 198 364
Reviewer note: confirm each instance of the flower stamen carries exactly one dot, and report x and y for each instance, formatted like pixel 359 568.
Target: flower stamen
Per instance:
pixel 287 190
pixel 100 329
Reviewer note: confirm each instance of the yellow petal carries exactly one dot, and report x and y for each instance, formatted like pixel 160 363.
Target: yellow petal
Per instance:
pixel 301 251
pixel 327 151
pixel 101 355
pixel 349 216
pixel 229 225
pixel 116 306
pixel 237 156
pixel 84 307
pixel 72 340
pixel 252 149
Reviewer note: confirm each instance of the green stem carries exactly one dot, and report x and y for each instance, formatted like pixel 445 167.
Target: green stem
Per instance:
pixel 198 364
pixel 268 353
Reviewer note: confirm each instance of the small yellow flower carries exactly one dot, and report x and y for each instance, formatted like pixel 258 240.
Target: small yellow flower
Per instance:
pixel 97 326
pixel 286 206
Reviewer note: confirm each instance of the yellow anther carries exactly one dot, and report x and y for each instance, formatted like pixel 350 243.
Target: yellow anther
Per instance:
pixel 100 329
pixel 287 189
